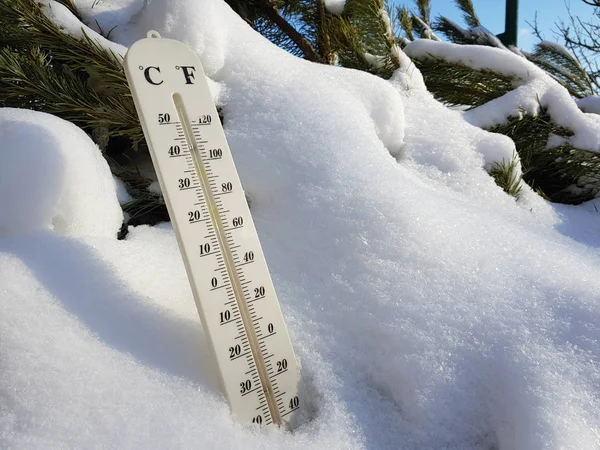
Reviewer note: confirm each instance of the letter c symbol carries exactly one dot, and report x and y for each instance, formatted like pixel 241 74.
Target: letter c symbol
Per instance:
pixel 147 75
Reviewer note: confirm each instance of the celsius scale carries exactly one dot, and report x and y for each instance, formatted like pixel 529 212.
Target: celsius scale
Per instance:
pixel 223 258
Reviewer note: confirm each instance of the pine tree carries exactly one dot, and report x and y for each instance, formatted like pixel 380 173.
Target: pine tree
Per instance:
pixel 562 173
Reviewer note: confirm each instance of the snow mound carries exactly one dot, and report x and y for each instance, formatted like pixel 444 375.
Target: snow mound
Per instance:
pixel 53 175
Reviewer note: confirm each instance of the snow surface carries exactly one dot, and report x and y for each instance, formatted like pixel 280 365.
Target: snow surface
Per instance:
pixel 429 310
pixel 589 104
pixel 53 176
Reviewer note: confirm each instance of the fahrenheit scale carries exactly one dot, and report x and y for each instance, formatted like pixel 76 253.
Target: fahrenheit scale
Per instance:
pixel 223 258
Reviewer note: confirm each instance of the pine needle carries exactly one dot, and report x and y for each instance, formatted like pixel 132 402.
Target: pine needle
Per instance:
pixel 563 67
pixel 405 22
pixel 564 174
pixel 424 7
pixel 458 84
pixel 507 176
pixel 45 69
pixel 469 16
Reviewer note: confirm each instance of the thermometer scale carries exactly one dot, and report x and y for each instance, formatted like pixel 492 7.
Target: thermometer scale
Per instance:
pixel 223 258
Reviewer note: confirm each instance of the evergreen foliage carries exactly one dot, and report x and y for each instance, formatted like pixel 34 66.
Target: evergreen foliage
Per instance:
pixel 555 59
pixel 45 69
pixel 419 23
pixel 457 84
pixel 508 177
pixel 363 37
pixel 564 68
pixel 469 16
pixel 563 173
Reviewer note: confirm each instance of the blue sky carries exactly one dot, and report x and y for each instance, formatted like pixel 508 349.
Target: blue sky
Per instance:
pixel 491 14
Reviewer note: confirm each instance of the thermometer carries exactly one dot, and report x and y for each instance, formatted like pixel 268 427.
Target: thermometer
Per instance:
pixel 223 258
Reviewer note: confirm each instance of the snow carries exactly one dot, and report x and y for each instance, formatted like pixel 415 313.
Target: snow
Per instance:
pixel 154 188
pixel 106 15
pixel 426 30
pixel 460 163
pixel 477 57
pixel 335 6
pixel 428 309
pixel 534 90
pixel 122 195
pixel 590 104
pixel 67 22
pixel 53 176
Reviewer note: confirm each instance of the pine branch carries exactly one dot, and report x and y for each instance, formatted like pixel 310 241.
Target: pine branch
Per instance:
pixel 405 22
pixel 458 84
pixel 363 37
pixel 458 35
pixel 25 25
pixel 424 7
pixel 269 30
pixel 453 32
pixel 564 67
pixel 44 69
pixel 469 16
pixel 33 80
pixel 48 70
pixel 563 173
pixel 507 176
pixel 301 42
